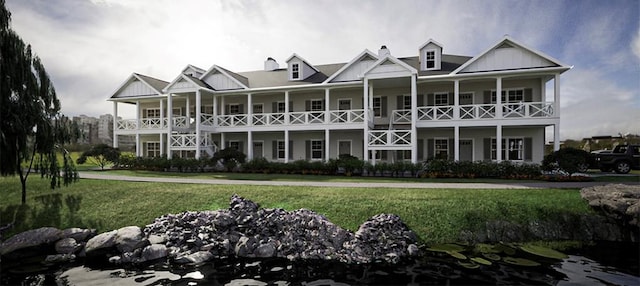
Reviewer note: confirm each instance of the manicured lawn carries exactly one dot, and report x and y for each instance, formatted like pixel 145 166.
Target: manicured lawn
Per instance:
pixel 437 215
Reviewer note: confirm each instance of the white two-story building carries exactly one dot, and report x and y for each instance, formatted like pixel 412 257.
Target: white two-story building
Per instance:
pixel 376 107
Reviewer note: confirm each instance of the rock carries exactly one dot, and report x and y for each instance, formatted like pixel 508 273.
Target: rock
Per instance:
pixel 67 246
pixel 153 252
pixel 617 201
pixel 79 234
pixel 195 258
pixel 245 247
pixel 31 238
pixel 59 258
pixel 265 250
pixel 101 242
pixel 129 238
pixel 157 239
pixel 413 250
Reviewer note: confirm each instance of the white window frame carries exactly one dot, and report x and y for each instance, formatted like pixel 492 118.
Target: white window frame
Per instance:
pixel 507 148
pixel 344 99
pixel 152 113
pixel 509 95
pixel 316 147
pixel 313 103
pixel 280 104
pixel 437 99
pixel 296 71
pixel 404 155
pixel 434 60
pixel 279 150
pixel 156 151
pixel 437 147
pixel 232 106
pixel 379 107
pixel 253 108
pixel 469 93
pixel 405 106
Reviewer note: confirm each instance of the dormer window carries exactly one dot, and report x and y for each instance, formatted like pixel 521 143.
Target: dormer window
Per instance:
pixel 430 59
pixel 295 71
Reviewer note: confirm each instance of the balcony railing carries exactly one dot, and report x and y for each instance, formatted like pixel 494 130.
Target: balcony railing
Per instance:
pixel 233 120
pixel 483 111
pixel 389 138
pixel 308 117
pixel 188 141
pixel 346 116
pixel 435 112
pixel 151 123
pixel 401 116
pixel 267 119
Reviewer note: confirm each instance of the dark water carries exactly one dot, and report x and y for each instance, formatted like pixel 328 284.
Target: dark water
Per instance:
pixel 604 264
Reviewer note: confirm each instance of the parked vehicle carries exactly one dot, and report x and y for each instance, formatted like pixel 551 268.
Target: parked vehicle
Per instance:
pixel 622 159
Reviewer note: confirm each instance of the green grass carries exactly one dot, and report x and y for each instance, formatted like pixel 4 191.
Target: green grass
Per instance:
pixel 437 215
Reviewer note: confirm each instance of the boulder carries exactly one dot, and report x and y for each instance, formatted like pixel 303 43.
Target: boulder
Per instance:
pixel 39 237
pixel 153 252
pixel 67 246
pixel 101 242
pixel 79 234
pixel 129 238
pixel 195 258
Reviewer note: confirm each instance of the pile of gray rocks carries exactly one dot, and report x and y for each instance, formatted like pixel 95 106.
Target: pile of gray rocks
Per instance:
pixel 244 231
pixel 617 201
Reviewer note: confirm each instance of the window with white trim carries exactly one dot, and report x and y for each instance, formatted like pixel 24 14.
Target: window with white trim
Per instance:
pixel 441 99
pixel 153 149
pixel 295 71
pixel 234 108
pixel 512 149
pixel 281 107
pixel 377 106
pixel 257 108
pixel 430 59
pixel 152 113
pixel 403 155
pixel 441 148
pixel 316 105
pixel 406 102
pixel 317 150
pixel 344 104
pixel 280 149
pixel 509 96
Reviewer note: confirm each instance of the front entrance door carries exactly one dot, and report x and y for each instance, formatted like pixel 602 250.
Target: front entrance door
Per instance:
pixel 466 150
pixel 257 149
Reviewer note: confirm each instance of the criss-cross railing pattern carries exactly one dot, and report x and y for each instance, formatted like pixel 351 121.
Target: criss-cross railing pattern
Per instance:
pixel 346 116
pixel 232 120
pixel 389 138
pixel 435 112
pixel 401 116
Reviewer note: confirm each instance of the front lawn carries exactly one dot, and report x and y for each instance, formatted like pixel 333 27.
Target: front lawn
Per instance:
pixel 437 215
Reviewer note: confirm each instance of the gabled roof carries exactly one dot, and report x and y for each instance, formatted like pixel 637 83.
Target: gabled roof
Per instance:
pixel 358 58
pixel 185 82
pixel 192 67
pixel 238 79
pixel 391 60
pixel 429 42
pixel 509 42
pixel 301 59
pixel 149 86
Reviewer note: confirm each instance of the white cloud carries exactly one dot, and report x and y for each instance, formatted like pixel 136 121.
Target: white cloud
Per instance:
pixel 635 45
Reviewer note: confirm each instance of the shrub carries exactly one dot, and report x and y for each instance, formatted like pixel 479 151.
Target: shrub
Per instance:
pixel 101 155
pixel 230 158
pixel 570 160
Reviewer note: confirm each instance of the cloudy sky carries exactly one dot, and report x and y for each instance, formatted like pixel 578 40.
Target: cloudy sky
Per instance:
pixel 90 47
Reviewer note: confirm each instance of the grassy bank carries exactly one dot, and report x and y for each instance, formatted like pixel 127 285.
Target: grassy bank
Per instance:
pixel 437 215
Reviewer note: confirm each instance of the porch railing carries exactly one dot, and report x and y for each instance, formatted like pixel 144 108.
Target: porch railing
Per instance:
pixel 151 123
pixel 389 138
pixel 346 116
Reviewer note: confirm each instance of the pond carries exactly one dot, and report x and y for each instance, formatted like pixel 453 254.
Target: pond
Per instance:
pixel 600 264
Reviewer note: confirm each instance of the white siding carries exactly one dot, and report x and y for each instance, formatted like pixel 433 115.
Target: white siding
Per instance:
pixel 388 69
pixel 356 70
pixel 220 81
pixel 506 59
pixel 136 88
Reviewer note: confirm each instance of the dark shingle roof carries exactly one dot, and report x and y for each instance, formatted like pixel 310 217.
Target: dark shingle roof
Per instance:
pixel 157 84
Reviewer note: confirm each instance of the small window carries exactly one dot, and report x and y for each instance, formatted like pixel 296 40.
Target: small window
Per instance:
pixel 280 149
pixel 316 105
pixel 152 113
pixel 344 104
pixel 257 108
pixel 430 59
pixel 512 149
pixel 441 99
pixel 295 71
pixel 441 148
pixel 406 102
pixel 153 149
pixel 316 150
pixel 281 107
pixel 234 145
pixel 234 109
pixel 377 106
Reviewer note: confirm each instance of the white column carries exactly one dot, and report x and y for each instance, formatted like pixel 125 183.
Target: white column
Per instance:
pixel 286 111
pixel 456 99
pixel 188 112
pixel 499 143
pixel 138 117
pixel 215 110
pixel 365 96
pixel 499 97
pixel 556 95
pixel 456 143
pixel 170 126
pixel 198 115
pixel 326 106
pixel 556 137
pixel 286 146
pixel 249 145
pixel 161 135
pixel 138 147
pixel 326 145
pixel 222 143
pixel 115 124
pixel 162 114
pixel 249 110
pixel 414 120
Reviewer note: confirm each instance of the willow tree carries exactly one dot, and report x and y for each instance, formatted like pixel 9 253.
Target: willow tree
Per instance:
pixel 32 129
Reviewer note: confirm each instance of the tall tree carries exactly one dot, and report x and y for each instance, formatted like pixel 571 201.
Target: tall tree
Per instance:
pixel 32 130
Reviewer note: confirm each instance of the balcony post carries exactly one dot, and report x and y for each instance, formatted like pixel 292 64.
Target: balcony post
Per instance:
pixel 215 110
pixel 326 145
pixel 456 99
pixel 326 105
pixel 198 115
pixel 188 112
pixel 365 96
pixel 456 143
pixel 249 145
pixel 162 114
pixel 138 147
pixel 499 97
pixel 115 124
pixel 414 120
pixel 249 109
pixel 286 112
pixel 138 117
pixel 556 137
pixel 556 95
pixel 499 143
pixel 170 127
pixel 286 145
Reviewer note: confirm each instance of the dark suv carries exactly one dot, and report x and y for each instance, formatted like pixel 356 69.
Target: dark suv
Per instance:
pixel 622 159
